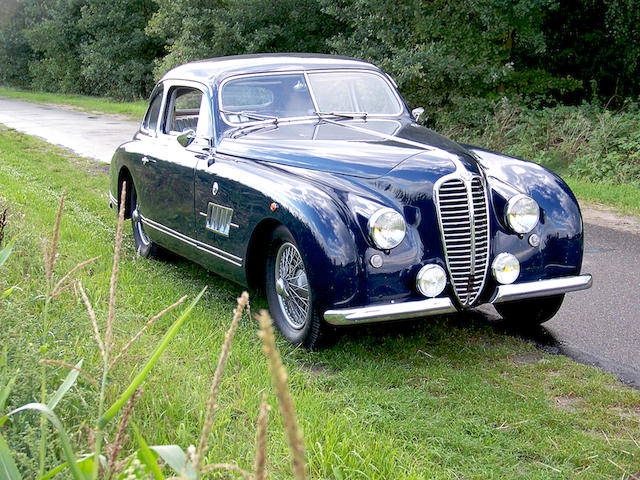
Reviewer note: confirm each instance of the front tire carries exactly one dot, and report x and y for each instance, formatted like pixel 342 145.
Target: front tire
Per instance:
pixel 291 299
pixel 144 246
pixel 530 313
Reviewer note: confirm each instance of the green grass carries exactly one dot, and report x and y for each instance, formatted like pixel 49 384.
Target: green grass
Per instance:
pixel 624 197
pixel 131 110
pixel 436 399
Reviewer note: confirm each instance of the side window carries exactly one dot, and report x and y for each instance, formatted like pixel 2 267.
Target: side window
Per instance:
pixel 151 118
pixel 187 109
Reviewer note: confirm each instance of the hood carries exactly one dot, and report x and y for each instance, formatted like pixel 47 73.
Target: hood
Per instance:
pixel 367 149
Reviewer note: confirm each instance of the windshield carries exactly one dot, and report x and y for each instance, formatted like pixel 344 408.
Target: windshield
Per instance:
pixel 253 98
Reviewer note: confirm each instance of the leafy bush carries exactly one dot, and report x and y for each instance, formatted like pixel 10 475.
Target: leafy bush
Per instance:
pixel 541 51
pixel 586 141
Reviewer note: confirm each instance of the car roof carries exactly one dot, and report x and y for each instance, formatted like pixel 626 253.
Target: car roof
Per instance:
pixel 215 69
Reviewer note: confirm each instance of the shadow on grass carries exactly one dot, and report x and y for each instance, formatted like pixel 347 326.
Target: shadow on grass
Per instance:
pixel 453 330
pixel 444 332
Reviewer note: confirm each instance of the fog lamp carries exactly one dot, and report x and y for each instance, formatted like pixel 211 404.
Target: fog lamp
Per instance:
pixel 431 280
pixel 505 268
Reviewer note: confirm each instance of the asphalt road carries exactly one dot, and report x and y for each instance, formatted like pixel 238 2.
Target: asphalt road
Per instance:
pixel 88 135
pixel 600 326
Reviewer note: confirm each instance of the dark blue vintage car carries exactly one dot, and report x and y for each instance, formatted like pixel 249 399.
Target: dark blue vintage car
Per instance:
pixel 308 175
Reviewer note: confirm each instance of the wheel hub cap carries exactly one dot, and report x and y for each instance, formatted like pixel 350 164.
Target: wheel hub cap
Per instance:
pixel 281 288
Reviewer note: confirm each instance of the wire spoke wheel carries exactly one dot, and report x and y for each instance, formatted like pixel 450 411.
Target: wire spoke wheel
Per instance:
pixel 144 245
pixel 292 285
pixel 136 220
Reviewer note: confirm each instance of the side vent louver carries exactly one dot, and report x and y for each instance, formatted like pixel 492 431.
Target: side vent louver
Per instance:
pixel 219 218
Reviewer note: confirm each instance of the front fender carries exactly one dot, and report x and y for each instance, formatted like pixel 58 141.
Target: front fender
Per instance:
pixel 560 227
pixel 319 225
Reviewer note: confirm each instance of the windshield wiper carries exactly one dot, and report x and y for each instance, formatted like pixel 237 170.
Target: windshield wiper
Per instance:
pixel 342 114
pixel 253 127
pixel 253 116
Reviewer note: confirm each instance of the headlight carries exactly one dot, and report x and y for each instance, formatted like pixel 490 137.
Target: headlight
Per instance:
pixel 505 268
pixel 522 213
pixel 387 228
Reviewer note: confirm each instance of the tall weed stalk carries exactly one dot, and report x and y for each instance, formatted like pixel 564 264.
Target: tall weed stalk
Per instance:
pixel 102 460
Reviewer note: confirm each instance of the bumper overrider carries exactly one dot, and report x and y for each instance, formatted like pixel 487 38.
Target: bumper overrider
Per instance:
pixel 440 306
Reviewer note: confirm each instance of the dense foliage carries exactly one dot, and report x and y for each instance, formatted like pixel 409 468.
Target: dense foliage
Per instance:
pixel 473 64
pixel 451 55
pixel 586 142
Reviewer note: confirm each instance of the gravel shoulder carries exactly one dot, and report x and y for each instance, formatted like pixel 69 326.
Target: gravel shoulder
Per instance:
pixel 605 216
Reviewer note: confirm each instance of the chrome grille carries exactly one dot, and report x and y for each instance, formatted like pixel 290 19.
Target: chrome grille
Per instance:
pixel 463 215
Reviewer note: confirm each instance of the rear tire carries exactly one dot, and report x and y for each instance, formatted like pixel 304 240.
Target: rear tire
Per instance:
pixel 144 246
pixel 291 299
pixel 531 312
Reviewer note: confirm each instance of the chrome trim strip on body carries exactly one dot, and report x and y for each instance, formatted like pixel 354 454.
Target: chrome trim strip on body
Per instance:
pixel 112 200
pixel 541 288
pixel 390 311
pixel 237 261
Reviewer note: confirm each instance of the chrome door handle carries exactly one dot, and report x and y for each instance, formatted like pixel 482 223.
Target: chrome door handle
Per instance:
pixel 146 160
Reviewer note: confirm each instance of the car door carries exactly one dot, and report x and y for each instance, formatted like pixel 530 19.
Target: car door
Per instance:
pixel 221 222
pixel 170 166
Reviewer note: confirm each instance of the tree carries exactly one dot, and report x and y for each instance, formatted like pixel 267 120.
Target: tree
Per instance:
pixel 15 51
pixel 201 28
pixel 117 55
pixel 437 49
pixel 55 39
pixel 597 41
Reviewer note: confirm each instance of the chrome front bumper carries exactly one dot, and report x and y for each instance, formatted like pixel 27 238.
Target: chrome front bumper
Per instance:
pixel 441 306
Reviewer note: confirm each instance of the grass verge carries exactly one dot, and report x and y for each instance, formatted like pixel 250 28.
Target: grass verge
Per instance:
pixel 624 197
pixel 437 399
pixel 83 103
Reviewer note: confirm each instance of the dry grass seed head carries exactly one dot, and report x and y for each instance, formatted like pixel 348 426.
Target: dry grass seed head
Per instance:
pixel 58 288
pixel 72 367
pixel 121 438
pixel 114 272
pixel 243 301
pixel 94 323
pixel 285 403
pixel 260 461
pixel 3 224
pixel 56 234
pixel 144 328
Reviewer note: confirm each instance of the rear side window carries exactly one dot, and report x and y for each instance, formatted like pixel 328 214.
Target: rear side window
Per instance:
pixel 187 109
pixel 151 118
